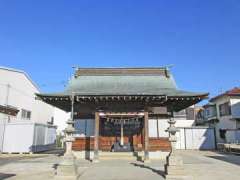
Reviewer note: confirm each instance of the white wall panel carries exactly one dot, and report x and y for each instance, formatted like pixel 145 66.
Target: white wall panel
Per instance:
pixel 44 137
pixel 180 139
pixel 18 138
pixel 27 137
pixel 39 137
pixel 2 129
pixel 153 128
pixel 162 127
pixel 51 136
pixel 196 138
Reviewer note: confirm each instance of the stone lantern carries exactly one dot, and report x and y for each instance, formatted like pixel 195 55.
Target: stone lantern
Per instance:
pixel 174 166
pixel 172 130
pixel 66 169
pixel 69 136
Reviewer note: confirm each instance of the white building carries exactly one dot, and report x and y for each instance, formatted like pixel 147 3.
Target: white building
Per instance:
pixel 223 113
pixel 30 127
pixel 60 120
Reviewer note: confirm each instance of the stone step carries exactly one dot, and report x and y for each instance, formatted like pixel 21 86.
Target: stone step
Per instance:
pixel 117 158
pixel 117 155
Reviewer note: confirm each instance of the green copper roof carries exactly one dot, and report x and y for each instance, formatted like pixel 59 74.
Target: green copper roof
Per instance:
pixel 124 81
pixel 97 83
pixel 125 85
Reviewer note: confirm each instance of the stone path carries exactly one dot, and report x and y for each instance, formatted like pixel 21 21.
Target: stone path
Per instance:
pixel 120 170
pixel 200 165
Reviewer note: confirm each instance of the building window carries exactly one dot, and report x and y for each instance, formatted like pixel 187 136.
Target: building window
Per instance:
pixel 225 109
pixel 207 112
pixel 26 114
pixel 222 133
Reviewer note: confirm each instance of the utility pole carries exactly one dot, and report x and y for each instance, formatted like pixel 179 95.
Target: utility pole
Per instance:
pixel 7 117
pixel 7 100
pixel 8 86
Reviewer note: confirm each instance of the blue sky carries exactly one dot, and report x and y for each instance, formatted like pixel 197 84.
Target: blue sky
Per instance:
pixel 46 38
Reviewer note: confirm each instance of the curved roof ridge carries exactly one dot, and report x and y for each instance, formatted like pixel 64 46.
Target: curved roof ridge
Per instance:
pixel 111 67
pixel 104 71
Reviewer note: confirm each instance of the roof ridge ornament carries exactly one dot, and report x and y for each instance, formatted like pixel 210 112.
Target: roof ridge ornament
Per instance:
pixel 167 70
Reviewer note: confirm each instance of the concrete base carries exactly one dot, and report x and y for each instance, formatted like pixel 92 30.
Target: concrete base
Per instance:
pixel 89 155
pixel 173 160
pixel 174 168
pixel 155 155
pixel 95 161
pixel 147 161
pixel 66 169
pixel 66 172
pixel 174 177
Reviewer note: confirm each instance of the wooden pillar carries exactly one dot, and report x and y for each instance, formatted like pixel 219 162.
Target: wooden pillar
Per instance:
pixel 146 137
pixel 122 137
pixel 96 137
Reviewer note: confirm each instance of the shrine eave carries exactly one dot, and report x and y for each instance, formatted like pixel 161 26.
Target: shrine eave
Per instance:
pixel 176 102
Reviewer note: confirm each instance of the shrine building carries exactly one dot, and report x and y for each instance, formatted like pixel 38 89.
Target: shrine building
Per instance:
pixel 120 109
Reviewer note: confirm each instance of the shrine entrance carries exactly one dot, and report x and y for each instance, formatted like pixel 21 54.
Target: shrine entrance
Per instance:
pixel 123 133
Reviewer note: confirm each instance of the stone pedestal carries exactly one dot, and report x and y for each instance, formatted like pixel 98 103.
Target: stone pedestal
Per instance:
pixel 146 157
pixel 96 157
pixel 174 167
pixel 66 169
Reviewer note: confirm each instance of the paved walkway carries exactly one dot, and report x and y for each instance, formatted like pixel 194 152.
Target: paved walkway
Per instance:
pixel 121 170
pixel 210 165
pixel 201 165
